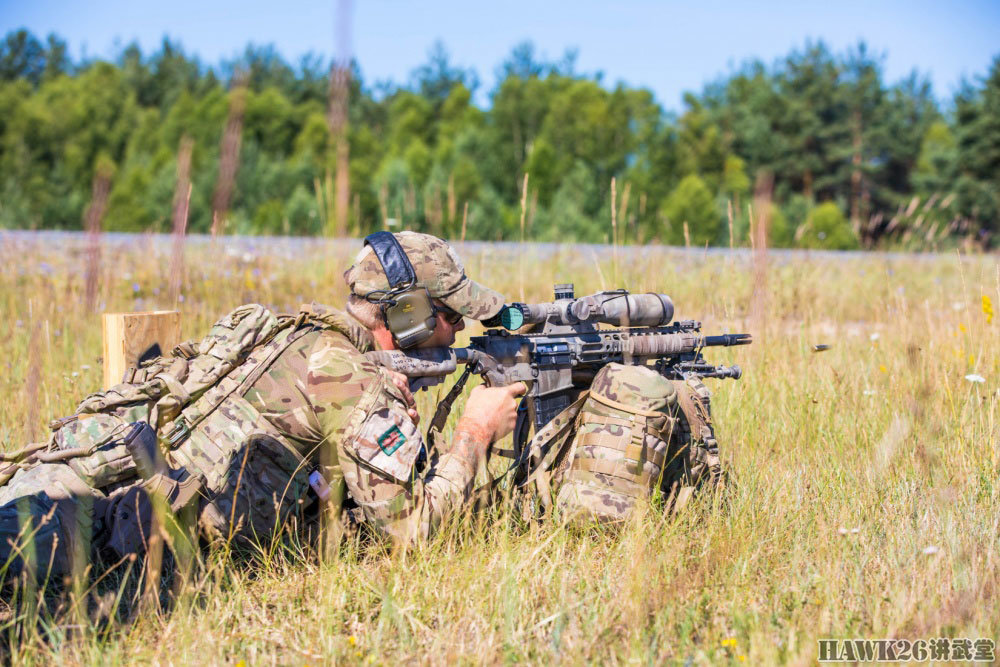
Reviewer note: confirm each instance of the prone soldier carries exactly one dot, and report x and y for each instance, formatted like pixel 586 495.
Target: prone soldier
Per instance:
pixel 260 410
pixel 230 433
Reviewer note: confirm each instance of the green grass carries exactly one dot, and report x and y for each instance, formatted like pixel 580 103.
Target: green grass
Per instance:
pixel 864 499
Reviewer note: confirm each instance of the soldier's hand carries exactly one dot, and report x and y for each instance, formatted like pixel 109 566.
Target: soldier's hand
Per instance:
pixel 494 409
pixel 403 384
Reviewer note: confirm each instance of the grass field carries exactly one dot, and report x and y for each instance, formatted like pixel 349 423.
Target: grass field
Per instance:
pixel 864 501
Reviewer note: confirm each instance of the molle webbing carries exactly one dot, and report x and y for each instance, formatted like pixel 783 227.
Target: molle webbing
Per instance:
pixel 176 393
pixel 587 417
pixel 621 485
pixel 627 409
pixel 695 406
pixel 621 469
pixel 634 452
pixel 237 381
pixel 311 317
pixel 545 447
pixel 622 445
pixel 695 412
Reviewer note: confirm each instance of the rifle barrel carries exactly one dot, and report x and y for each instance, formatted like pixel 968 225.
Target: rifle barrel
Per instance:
pixel 727 340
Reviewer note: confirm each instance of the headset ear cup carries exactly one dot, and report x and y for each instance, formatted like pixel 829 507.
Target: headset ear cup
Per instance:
pixel 408 312
pixel 411 319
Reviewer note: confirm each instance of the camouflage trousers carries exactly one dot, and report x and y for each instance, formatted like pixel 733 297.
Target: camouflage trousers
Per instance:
pixel 51 521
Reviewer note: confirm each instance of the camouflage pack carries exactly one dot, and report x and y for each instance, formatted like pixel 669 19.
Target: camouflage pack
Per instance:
pixel 248 477
pixel 634 440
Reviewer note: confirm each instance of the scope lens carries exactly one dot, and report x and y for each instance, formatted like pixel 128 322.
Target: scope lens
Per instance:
pixel 511 317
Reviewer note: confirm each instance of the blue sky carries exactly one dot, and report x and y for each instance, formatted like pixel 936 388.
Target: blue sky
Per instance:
pixel 669 47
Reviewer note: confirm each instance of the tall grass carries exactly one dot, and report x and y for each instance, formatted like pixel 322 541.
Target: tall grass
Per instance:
pixel 864 498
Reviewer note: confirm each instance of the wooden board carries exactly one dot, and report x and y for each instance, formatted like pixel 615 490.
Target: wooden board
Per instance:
pixel 129 337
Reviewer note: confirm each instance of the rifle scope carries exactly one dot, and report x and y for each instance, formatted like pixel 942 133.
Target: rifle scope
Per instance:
pixel 617 308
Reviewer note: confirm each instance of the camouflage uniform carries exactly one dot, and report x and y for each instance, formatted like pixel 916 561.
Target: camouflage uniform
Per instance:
pixel 323 390
pixel 319 403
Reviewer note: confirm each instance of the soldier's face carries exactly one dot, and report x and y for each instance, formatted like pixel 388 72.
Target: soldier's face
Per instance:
pixel 444 331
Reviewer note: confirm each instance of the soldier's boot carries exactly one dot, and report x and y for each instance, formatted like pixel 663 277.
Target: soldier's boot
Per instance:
pixel 48 522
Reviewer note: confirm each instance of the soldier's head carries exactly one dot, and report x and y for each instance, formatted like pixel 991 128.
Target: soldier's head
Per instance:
pixel 425 296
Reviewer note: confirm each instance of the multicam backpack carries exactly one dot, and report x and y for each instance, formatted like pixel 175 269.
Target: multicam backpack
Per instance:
pixel 214 438
pixel 637 435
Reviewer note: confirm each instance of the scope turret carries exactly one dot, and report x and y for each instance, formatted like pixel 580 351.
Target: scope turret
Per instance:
pixel 563 291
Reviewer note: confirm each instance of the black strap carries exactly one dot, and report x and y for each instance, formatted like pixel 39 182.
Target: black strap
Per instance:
pixel 444 409
pixel 391 255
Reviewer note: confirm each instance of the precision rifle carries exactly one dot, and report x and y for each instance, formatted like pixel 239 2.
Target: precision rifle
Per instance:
pixel 562 348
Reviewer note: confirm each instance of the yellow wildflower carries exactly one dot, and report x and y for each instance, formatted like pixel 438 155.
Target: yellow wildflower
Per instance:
pixel 961 327
pixel 352 640
pixel 882 368
pixel 987 308
pixel 972 360
pixel 731 642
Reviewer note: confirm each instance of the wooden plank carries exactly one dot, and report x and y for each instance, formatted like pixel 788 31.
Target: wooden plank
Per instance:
pixel 129 337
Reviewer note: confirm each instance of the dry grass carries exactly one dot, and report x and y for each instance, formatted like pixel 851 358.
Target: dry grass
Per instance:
pixel 866 499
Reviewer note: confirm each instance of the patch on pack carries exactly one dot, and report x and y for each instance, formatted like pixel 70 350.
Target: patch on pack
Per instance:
pixel 391 440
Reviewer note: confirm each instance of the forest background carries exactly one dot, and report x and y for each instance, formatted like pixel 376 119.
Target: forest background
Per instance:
pixel 845 158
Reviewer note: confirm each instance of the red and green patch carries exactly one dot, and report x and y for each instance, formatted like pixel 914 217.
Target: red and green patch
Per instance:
pixel 391 440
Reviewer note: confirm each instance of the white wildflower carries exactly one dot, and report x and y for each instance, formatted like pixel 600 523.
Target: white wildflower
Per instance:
pixel 973 377
pixel 931 550
pixel 868 392
pixel 874 337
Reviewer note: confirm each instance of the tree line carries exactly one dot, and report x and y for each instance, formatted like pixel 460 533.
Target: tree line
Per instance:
pixel 818 144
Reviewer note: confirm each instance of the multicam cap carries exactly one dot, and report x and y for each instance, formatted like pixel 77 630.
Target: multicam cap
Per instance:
pixel 438 268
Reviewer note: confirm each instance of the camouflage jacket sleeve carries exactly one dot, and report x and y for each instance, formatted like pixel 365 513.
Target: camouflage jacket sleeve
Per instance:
pixel 363 414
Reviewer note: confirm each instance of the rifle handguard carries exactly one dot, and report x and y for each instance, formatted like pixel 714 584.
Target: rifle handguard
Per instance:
pixel 651 345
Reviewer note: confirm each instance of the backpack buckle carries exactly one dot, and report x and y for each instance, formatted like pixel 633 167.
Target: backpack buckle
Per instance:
pixel 179 431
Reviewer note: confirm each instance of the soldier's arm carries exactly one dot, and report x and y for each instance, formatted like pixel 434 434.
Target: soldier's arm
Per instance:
pixel 367 419
pixel 389 493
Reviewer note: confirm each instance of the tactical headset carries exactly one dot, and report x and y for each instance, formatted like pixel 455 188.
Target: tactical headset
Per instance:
pixel 409 313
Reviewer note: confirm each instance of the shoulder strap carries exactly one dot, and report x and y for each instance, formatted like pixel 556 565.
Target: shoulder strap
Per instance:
pixel 693 410
pixel 259 361
pixel 540 448
pixel 444 409
pixel 183 414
